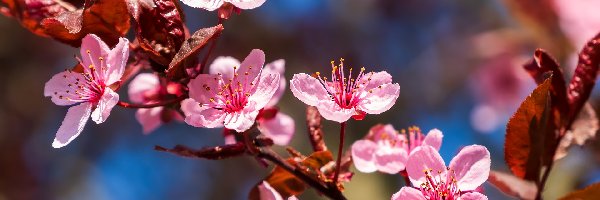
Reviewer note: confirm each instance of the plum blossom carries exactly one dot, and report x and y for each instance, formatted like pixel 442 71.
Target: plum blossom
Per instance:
pixel 272 123
pixel 212 5
pixel 344 97
pixel 269 193
pixel 102 67
pixel 230 95
pixel 145 88
pixel 426 169
pixel 387 151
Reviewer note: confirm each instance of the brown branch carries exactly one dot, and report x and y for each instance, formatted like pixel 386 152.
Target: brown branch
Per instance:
pixel 152 105
pixel 315 133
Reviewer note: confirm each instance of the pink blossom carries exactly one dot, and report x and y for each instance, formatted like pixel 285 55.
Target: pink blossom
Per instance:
pixel 579 19
pixel 346 97
pixel 212 5
pixel 427 170
pixel 102 67
pixel 230 95
pixel 269 193
pixel 145 88
pixel 385 150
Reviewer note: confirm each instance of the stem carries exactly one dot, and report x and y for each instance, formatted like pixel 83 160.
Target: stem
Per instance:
pixel 331 192
pixel 152 105
pixel 407 182
pixel 542 183
pixel 340 150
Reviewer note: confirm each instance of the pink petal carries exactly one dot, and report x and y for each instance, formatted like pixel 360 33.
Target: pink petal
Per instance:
pixel 240 121
pixel 390 159
pixel 381 99
pixel 246 4
pixel 252 65
pixel 267 192
pixel 150 119
pixel 424 158
pixel 332 111
pixel 280 128
pixel 308 89
pixel 140 85
pixel 224 65
pixel 201 116
pixel 471 167
pixel 375 79
pixel 92 48
pixel 473 196
pixel 190 106
pixel 277 66
pixel 117 59
pixel 109 99
pixel 56 88
pixel 72 125
pixel 209 5
pixel 363 155
pixel 204 87
pixel 434 139
pixel 408 193
pixel 264 90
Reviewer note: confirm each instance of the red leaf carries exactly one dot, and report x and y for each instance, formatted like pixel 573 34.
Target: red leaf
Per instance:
pixel 583 129
pixel 590 192
pixel 31 13
pixel 108 19
pixel 523 147
pixel 512 185
pixel 135 7
pixel 161 30
pixel 584 78
pixel 190 48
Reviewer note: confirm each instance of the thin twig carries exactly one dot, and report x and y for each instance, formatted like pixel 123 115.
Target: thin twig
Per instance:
pixel 340 150
pixel 152 105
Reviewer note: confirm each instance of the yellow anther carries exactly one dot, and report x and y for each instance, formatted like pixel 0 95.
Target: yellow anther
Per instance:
pixel 87 51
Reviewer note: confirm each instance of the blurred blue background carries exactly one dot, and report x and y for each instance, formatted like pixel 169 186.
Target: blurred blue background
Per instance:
pixel 450 58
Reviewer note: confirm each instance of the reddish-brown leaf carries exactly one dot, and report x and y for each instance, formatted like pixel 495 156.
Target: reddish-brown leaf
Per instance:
pixel 135 7
pixel 590 192
pixel 31 13
pixel 584 128
pixel 584 78
pixel 161 30
pixel 542 64
pixel 189 50
pixel 522 147
pixel 109 19
pixel 512 185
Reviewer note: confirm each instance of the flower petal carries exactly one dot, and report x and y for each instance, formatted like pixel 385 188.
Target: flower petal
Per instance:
pixel 471 167
pixel 277 66
pixel 363 155
pixel 390 159
pixel 473 196
pixel 252 65
pixel 308 89
pixel 92 48
pixel 241 121
pixel 267 192
pixel 201 116
pixel 264 90
pixel 279 128
pixel 150 118
pixel 424 158
pixel 117 59
pixel 408 193
pixel 224 65
pixel 62 86
pixel 140 85
pixel 72 125
pixel 372 80
pixel 209 5
pixel 247 4
pixel 380 99
pixel 434 139
pixel 332 111
pixel 204 87
pixel 109 99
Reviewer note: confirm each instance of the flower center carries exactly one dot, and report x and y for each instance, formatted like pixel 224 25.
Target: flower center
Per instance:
pixel 232 95
pixel 414 138
pixel 91 88
pixel 344 91
pixel 440 186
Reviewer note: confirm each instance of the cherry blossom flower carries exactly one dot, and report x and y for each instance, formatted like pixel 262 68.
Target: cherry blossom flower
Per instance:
pixel 346 97
pixel 385 150
pixel 427 170
pixel 230 95
pixel 269 193
pixel 145 88
pixel 212 5
pixel 102 67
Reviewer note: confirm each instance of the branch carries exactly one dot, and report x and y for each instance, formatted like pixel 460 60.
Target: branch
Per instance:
pixel 315 133
pixel 152 105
